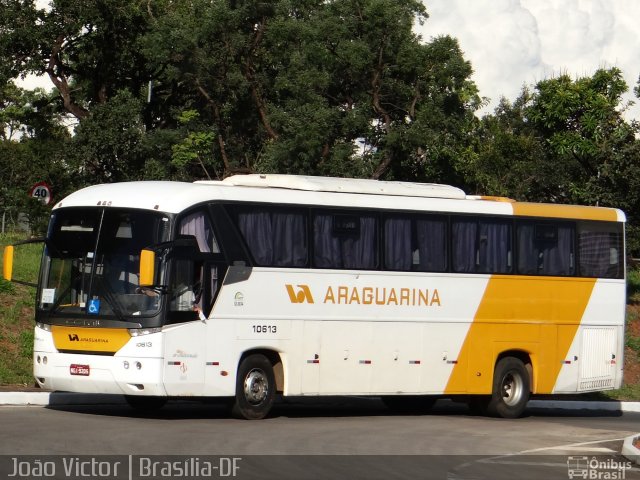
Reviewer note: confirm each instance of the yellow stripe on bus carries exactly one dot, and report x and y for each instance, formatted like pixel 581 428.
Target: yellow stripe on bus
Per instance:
pixel 564 211
pixel 538 316
pixel 79 339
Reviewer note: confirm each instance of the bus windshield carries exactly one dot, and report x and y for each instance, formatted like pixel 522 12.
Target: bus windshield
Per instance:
pixel 91 261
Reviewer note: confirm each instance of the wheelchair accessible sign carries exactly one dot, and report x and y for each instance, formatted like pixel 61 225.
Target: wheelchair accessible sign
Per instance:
pixel 94 306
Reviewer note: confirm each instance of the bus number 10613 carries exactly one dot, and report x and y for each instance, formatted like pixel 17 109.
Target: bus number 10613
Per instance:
pixel 265 329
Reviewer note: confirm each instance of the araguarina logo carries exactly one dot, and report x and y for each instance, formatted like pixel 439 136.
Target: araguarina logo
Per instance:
pixel 74 337
pixel 301 296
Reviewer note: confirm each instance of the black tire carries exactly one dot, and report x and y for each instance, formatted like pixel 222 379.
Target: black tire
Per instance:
pixel 145 404
pixel 255 388
pixel 411 404
pixel 511 389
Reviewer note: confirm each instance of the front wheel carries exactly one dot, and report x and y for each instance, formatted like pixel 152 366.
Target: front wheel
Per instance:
pixel 255 388
pixel 511 388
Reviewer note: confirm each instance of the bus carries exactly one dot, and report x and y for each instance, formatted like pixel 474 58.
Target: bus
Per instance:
pixel 260 286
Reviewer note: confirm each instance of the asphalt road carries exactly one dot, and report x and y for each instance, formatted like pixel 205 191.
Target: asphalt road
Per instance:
pixel 332 438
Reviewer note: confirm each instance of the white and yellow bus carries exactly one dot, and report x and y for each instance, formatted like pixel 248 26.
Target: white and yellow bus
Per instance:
pixel 261 285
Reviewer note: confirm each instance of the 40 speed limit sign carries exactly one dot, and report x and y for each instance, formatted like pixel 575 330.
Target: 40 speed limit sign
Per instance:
pixel 42 192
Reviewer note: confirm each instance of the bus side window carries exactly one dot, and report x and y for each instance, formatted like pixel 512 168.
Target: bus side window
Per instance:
pixel 481 246
pixel 190 285
pixel 600 247
pixel 345 240
pixel 275 236
pixel 545 248
pixel 417 243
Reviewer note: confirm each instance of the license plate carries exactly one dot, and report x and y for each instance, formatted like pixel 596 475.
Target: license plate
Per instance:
pixel 82 370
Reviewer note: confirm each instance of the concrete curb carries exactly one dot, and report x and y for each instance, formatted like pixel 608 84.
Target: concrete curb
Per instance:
pixel 585 405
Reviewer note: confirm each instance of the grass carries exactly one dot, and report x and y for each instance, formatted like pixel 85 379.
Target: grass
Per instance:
pixel 16 322
pixel 633 285
pixel 16 313
pixel 628 393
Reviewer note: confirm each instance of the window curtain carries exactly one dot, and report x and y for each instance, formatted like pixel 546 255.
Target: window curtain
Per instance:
pixel 361 252
pixel 431 236
pixel 464 234
pixel 289 240
pixel 327 252
pixel 197 224
pixel 398 252
pixel 527 253
pixel 541 257
pixel 558 259
pixel 494 248
pixel 344 250
pixel 275 238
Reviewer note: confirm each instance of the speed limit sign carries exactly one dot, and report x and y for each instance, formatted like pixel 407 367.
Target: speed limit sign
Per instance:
pixel 42 192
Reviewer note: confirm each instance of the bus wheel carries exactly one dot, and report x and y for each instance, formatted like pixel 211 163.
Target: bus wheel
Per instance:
pixel 411 404
pixel 511 388
pixel 255 388
pixel 144 403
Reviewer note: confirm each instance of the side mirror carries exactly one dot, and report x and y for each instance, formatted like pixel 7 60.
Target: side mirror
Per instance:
pixel 147 268
pixel 7 263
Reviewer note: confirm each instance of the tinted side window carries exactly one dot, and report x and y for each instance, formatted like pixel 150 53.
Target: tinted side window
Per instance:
pixel 545 248
pixel 275 236
pixel 345 240
pixel 415 243
pixel 481 245
pixel 600 247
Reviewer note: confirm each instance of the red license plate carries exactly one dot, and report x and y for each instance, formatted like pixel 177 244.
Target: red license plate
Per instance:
pixel 82 370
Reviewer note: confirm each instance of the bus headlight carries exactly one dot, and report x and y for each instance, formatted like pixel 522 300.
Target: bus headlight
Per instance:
pixel 137 332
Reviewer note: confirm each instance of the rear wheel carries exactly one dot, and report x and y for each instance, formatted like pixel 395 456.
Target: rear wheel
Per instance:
pixel 255 388
pixel 511 389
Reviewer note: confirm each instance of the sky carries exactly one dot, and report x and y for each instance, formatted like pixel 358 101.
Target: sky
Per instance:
pixel 511 43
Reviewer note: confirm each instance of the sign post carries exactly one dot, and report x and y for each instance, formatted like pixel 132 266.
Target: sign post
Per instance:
pixel 42 192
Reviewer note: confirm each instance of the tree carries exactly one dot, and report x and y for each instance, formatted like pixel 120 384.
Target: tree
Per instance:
pixel 31 144
pixel 108 144
pixel 292 86
pixel 585 131
pixel 88 49
pixel 564 142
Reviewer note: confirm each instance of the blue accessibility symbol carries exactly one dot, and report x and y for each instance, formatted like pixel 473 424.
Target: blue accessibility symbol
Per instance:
pixel 94 306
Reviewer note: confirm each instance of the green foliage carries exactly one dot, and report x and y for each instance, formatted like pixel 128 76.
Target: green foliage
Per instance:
pixel 26 344
pixel 196 148
pixel 633 285
pixel 633 343
pixel 289 87
pixel 16 314
pixel 107 145
pixel 628 393
pixel 6 287
pixel 566 141
pixel 26 262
